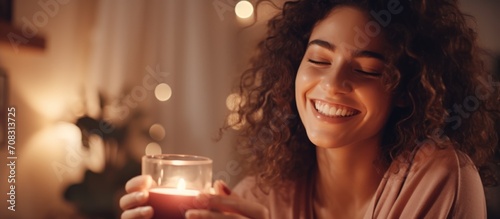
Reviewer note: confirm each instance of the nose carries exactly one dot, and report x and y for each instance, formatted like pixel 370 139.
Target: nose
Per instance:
pixel 337 80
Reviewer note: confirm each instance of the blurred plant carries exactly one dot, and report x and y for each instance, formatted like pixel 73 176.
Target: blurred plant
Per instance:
pixel 97 195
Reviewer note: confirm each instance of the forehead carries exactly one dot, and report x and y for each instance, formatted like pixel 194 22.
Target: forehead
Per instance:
pixel 350 27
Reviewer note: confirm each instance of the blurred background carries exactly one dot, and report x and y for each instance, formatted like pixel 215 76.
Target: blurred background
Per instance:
pixel 96 84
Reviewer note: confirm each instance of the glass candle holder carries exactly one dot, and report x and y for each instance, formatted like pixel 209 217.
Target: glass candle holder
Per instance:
pixel 179 179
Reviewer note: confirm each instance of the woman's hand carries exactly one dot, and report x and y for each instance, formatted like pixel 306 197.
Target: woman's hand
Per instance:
pixel 137 196
pixel 223 205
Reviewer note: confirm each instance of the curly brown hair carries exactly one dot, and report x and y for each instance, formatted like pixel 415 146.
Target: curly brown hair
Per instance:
pixel 434 64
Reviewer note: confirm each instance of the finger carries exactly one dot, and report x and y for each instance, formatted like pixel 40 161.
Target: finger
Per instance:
pixel 235 205
pixel 138 213
pixel 142 182
pixel 133 200
pixel 206 214
pixel 221 188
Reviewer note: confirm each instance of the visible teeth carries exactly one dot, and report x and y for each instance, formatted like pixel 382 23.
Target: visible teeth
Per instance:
pixel 339 112
pixel 329 110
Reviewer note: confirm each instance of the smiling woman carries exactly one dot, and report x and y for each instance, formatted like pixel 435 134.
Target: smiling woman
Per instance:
pixel 342 79
pixel 372 83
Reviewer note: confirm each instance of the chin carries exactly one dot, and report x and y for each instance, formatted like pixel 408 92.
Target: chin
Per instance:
pixel 323 143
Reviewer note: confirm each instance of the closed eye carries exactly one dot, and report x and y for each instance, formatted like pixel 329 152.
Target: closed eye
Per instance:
pixel 374 74
pixel 318 62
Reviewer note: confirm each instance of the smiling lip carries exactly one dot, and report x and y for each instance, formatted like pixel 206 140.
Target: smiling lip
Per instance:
pixel 332 112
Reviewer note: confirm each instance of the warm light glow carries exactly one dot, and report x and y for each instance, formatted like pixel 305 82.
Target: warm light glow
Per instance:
pixel 55 150
pixel 243 9
pixel 181 184
pixel 153 148
pixel 232 121
pixel 163 92
pixel 96 160
pixel 233 101
pixel 258 115
pixel 157 132
pixel 172 191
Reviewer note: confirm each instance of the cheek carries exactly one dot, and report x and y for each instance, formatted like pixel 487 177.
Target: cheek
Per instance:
pixel 304 80
pixel 300 81
pixel 377 102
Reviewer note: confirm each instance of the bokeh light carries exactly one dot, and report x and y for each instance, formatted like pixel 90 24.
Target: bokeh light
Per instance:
pixel 163 92
pixel 233 101
pixel 153 148
pixel 243 9
pixel 157 132
pixel 233 121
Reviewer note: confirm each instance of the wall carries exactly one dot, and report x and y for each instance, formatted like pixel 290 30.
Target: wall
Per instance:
pixel 46 90
pixel 50 89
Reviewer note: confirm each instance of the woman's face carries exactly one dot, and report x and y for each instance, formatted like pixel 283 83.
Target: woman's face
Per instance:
pixel 340 96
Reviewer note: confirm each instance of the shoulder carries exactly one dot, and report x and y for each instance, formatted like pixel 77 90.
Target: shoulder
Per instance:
pixel 446 162
pixel 433 164
pixel 452 174
pixel 438 182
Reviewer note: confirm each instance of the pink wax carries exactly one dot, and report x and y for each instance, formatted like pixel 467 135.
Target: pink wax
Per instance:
pixel 169 203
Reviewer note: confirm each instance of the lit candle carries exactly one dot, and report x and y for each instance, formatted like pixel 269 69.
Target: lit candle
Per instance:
pixel 172 203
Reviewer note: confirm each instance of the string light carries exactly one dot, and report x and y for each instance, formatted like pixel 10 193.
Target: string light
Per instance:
pixel 163 92
pixel 243 9
pixel 153 148
pixel 157 132
pixel 233 102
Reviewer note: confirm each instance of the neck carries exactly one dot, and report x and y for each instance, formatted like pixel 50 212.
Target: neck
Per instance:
pixel 347 178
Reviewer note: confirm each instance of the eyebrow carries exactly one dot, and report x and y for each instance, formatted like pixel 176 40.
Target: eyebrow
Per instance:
pixel 357 53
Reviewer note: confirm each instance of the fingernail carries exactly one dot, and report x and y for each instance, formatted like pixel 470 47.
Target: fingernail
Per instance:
pixel 190 213
pixel 226 189
pixel 145 210
pixel 222 185
pixel 139 196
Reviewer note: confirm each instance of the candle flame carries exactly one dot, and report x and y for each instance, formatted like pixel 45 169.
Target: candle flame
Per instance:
pixel 181 184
